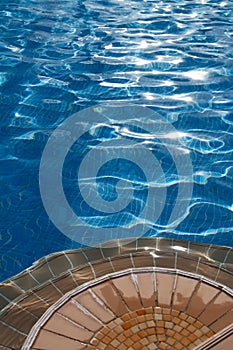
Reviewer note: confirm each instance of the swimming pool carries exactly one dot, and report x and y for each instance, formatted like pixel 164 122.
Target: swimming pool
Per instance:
pixel 174 58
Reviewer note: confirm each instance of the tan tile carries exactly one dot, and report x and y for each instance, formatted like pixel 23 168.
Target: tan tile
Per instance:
pixel 135 338
pixel 160 330
pixel 33 304
pixel 142 334
pixel 152 338
pixel 63 326
pixel 178 336
pixel 83 275
pixel 77 258
pixel 126 325
pixel 204 329
pixel 24 281
pixel 144 260
pixel 141 319
pixel 171 341
pixel 170 332
pixel 207 271
pixel 183 291
pixel 162 346
pixel 165 261
pixel 128 333
pixel 145 282
pixel 121 338
pixel 105 330
pixel 201 297
pixel 149 310
pixel 166 310
pixel 42 273
pixel 15 317
pixel 183 324
pixel 128 342
pixel 175 313
pixel 144 341
pixel 159 323
pixel 192 337
pixel 169 325
pixel 158 317
pixel 50 341
pixel 151 330
pixel 161 337
pixel 191 328
pixel 135 329
pixel 165 284
pixel 150 324
pixel 177 329
pixel 102 268
pixel 112 334
pixel 185 341
pixel 11 339
pixel 133 322
pixel 128 291
pixel 48 293
pixel 122 263
pixel 167 318
pixel 94 341
pixel 91 303
pixel 190 319
pixel 215 309
pixel 106 339
pixel 108 294
pixel 183 316
pixel 223 321
pixel 140 312
pixel 99 335
pixel 65 284
pixel 149 317
pixel 184 332
pixel 152 347
pixel 176 320
pixel 74 312
pixel 198 333
pixel 59 264
pixel 225 278
pixel 158 310
pixel 125 317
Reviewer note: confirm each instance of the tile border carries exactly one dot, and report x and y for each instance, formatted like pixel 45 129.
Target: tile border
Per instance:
pixel 51 310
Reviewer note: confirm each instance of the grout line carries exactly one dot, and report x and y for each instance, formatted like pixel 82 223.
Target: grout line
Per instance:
pixel 92 269
pixel 13 328
pixel 70 262
pixel 113 268
pixel 207 305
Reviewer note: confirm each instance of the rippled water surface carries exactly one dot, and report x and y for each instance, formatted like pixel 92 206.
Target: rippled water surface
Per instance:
pixel 60 57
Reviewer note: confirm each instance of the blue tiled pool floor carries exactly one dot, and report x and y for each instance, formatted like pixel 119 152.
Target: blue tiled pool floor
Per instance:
pixel 61 57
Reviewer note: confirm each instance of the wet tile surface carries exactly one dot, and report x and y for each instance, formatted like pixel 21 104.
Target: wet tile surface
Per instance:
pixel 127 290
pixel 184 290
pixel 61 325
pixel 134 294
pixel 74 312
pixel 216 308
pixel 201 297
pixel 50 341
pixel 165 286
pixel 125 312
pixel 94 305
pixel 110 297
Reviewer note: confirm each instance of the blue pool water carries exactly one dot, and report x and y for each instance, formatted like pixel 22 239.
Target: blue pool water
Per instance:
pixel 60 57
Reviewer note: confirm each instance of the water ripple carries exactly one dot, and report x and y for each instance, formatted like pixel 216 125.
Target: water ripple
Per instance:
pixel 58 57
